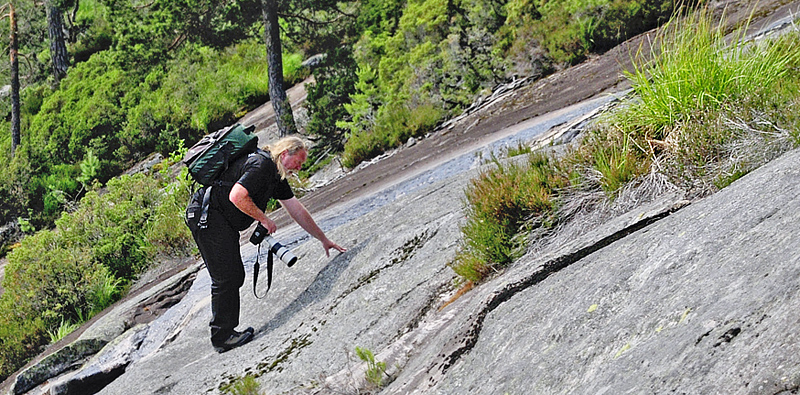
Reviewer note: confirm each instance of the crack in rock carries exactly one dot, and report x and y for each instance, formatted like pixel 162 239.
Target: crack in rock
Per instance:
pixel 728 336
pixel 399 255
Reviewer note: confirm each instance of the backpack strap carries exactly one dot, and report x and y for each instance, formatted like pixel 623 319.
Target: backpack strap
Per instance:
pixel 263 153
pixel 256 267
pixel 203 222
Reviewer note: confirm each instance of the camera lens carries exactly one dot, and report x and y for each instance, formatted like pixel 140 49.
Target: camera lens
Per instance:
pixel 281 252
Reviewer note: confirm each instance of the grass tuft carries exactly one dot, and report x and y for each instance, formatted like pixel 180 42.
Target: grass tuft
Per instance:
pixel 498 203
pixel 246 385
pixel 64 329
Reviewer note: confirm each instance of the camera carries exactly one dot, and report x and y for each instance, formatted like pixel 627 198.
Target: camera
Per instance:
pixel 261 234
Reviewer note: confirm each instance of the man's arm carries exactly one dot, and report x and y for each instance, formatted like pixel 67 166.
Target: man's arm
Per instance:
pixel 300 215
pixel 240 198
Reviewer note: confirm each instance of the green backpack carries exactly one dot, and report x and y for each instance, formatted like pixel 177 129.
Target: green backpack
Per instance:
pixel 209 158
pixel 213 154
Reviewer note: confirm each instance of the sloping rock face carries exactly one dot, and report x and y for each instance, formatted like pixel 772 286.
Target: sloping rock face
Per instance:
pixel 383 294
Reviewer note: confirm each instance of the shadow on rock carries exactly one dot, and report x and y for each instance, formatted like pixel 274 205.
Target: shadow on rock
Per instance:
pixel 316 291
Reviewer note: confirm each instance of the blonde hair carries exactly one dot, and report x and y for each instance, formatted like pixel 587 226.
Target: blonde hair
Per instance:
pixel 290 144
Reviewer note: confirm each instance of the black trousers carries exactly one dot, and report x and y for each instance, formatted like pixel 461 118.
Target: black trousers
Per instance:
pixel 219 245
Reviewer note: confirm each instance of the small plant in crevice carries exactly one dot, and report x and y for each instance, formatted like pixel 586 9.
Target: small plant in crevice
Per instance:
pixel 246 385
pixel 519 149
pixel 64 329
pixel 376 370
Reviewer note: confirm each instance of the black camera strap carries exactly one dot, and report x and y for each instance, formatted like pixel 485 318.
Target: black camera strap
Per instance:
pixel 256 267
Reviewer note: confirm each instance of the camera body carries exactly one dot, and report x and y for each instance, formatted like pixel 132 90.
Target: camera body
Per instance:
pixel 261 234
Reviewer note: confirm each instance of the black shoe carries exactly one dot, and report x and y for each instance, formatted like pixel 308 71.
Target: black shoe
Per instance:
pixel 236 339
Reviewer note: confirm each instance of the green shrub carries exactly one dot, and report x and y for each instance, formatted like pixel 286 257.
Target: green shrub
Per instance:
pixel 55 189
pixel 335 81
pixel 46 281
pixel 360 147
pixel 49 278
pixel 96 32
pixel 69 274
pixel 166 232
pixel 122 116
pixel 394 126
pixel 20 340
pixel 432 66
pixel 83 113
pixel 624 19
pixel 563 35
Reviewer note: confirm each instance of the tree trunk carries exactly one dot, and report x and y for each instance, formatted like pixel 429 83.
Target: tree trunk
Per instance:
pixel 15 126
pixel 280 103
pixel 58 46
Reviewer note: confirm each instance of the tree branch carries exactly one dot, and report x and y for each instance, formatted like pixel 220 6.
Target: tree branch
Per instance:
pixel 30 67
pixel 336 9
pixel 74 12
pixel 177 42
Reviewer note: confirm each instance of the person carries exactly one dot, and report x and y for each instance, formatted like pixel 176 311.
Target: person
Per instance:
pixel 255 179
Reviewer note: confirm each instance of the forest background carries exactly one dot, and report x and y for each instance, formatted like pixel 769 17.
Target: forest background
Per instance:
pixel 155 76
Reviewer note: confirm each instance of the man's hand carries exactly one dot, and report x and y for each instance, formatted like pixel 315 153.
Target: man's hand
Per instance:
pixel 327 245
pixel 300 215
pixel 270 225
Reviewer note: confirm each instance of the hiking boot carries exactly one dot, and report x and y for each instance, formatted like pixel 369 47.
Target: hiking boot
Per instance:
pixel 236 339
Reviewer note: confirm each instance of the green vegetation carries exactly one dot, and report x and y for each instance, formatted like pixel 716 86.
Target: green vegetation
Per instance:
pixel 104 116
pixel 704 113
pixel 519 149
pixel 376 370
pixel 59 278
pixel 63 330
pixel 431 62
pixel 246 385
pixel 149 78
pixel 498 203
pixel 133 88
